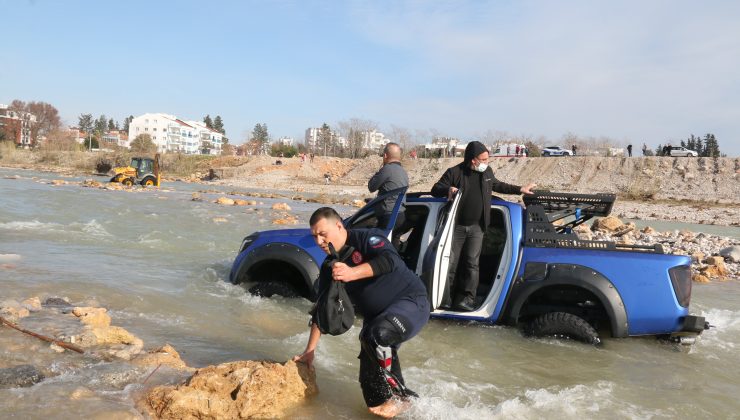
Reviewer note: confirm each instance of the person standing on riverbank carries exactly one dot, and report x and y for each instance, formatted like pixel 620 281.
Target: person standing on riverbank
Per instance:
pixel 390 297
pixel 475 178
pixel 389 177
pixel 629 150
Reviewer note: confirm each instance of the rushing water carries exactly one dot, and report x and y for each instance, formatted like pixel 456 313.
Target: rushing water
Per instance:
pixel 160 262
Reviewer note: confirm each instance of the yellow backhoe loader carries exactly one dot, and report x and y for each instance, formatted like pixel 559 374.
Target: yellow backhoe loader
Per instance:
pixel 144 171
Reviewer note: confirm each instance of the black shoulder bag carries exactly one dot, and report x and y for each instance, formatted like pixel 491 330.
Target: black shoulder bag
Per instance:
pixel 334 313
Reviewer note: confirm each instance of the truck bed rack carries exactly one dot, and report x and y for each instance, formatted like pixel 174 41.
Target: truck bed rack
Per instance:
pixel 543 208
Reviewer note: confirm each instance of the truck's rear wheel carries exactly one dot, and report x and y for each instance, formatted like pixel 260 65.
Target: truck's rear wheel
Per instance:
pixel 149 181
pixel 563 325
pixel 271 288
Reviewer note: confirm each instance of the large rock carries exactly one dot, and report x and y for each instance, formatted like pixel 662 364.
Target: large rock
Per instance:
pixel 165 356
pixel 13 310
pixel 732 253
pixel 225 201
pixel 94 317
pixel 20 376
pixel 608 224
pixel 281 206
pixel 236 390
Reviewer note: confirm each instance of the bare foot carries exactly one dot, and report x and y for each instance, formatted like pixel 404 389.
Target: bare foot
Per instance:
pixel 390 408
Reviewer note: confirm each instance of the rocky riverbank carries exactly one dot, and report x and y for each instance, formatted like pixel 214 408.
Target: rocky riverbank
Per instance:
pixel 41 341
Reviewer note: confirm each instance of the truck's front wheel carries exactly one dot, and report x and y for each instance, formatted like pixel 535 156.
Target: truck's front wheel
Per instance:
pixel 563 325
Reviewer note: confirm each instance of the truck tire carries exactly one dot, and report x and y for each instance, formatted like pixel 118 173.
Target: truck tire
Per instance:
pixel 563 325
pixel 271 288
pixel 127 182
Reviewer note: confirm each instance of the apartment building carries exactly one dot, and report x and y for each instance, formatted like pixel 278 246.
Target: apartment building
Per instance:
pixel 171 134
pixel 17 125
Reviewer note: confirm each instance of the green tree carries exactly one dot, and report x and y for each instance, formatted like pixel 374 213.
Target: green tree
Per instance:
pixel 127 122
pixel 85 122
pixel 287 151
pixel 207 120
pixel 260 137
pixel 92 143
pixel 532 149
pixel 711 147
pixel 218 125
pixel 111 124
pixel 143 144
pixel 101 124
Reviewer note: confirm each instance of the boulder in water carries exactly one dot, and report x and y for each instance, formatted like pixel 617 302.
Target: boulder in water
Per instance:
pixel 235 390
pixel 20 376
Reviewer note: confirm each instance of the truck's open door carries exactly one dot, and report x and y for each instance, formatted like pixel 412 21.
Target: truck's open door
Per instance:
pixel 437 258
pixel 367 217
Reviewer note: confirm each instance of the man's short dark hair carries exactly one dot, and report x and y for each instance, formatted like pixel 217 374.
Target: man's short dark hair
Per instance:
pixel 327 213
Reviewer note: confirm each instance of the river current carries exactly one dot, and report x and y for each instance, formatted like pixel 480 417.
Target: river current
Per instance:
pixel 160 262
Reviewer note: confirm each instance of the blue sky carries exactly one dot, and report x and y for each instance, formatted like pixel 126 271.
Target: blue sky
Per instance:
pixel 631 70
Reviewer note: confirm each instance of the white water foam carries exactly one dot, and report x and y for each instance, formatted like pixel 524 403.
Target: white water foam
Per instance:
pixel 555 402
pixel 91 228
pixel 726 325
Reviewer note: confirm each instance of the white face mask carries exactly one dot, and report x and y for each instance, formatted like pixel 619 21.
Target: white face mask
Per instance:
pixel 481 167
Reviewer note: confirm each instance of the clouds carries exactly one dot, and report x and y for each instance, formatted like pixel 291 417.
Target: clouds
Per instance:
pixel 648 71
pixel 634 69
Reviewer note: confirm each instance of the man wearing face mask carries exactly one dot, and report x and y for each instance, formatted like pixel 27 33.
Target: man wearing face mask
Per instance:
pixel 475 178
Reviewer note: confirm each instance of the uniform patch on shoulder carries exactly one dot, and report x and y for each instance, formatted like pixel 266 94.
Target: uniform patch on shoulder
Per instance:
pixel 376 241
pixel 356 257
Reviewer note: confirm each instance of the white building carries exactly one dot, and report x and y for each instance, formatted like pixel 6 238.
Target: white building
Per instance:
pixel 374 140
pixel 210 139
pixel 171 134
pixel 285 141
pixel 312 138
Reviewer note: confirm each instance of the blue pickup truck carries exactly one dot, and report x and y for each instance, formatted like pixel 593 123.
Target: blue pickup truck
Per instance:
pixel 535 273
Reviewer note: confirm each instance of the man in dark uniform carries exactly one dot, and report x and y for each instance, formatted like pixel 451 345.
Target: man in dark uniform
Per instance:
pixel 475 178
pixel 390 297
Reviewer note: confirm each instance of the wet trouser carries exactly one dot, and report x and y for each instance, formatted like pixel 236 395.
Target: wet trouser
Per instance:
pixel 467 242
pixel 381 337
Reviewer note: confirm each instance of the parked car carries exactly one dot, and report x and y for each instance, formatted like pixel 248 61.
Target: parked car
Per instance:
pixel 534 274
pixel 682 151
pixel 556 151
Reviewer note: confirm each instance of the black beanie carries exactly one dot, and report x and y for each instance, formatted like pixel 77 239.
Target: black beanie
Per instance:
pixel 473 149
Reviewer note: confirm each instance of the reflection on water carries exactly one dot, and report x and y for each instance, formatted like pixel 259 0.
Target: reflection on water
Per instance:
pixel 160 263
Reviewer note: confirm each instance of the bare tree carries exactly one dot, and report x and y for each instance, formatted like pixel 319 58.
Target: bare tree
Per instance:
pixel 402 136
pixel 355 130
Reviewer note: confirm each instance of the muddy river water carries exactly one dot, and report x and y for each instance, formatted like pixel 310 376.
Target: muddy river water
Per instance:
pixel 160 263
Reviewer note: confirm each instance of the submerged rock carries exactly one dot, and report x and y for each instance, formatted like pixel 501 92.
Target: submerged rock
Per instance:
pixel 20 376
pixel 732 253
pixel 58 302
pixel 165 356
pixel 235 390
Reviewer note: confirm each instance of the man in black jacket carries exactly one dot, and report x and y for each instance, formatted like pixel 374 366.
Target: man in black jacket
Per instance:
pixel 475 178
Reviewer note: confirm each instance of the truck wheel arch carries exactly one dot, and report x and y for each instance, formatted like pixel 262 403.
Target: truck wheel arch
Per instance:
pixel 538 276
pixel 282 256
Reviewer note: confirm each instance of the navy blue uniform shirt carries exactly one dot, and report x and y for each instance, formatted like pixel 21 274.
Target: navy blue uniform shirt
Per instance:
pixel 392 280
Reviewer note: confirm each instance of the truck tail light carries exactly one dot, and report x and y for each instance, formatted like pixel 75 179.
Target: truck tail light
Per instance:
pixel 681 280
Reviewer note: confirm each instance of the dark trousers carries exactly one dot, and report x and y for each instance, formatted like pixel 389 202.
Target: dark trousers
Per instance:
pixel 467 242
pixel 401 321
